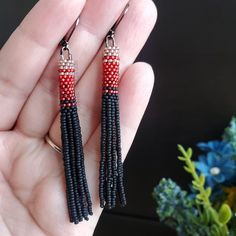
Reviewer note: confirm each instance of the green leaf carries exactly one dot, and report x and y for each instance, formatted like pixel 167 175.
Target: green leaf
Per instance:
pixel 214 215
pixel 202 179
pixel 196 184
pixel 181 158
pixel 215 231
pixel 206 217
pixel 195 187
pixel 199 197
pixel 187 169
pixel 225 214
pixel 198 202
pixel 208 192
pixel 182 150
pixel 190 152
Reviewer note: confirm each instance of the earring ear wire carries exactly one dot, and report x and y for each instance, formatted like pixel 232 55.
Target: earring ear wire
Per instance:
pixel 122 15
pixel 111 34
pixel 69 34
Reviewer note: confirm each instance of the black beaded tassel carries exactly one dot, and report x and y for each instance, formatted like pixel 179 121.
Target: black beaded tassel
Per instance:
pixel 78 197
pixel 111 166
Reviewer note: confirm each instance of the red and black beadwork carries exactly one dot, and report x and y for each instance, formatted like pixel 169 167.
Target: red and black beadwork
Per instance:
pixel 67 83
pixel 111 63
pixel 78 197
pixel 111 166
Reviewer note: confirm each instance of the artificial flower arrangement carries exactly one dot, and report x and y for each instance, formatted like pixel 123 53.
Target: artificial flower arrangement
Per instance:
pixel 209 207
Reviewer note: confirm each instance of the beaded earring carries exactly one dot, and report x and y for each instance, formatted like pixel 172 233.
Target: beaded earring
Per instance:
pixel 78 196
pixel 111 166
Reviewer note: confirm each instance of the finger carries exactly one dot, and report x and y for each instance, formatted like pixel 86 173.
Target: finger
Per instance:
pixel 26 53
pixel 131 36
pixel 135 91
pixel 95 21
pixel 9 215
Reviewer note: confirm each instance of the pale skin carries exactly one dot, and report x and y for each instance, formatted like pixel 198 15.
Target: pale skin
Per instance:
pixel 32 187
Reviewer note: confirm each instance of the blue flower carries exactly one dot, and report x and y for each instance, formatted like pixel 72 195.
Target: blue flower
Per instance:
pixel 217 169
pixel 221 148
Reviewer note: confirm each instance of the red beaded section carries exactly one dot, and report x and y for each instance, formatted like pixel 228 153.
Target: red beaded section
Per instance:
pixel 111 62
pixel 67 83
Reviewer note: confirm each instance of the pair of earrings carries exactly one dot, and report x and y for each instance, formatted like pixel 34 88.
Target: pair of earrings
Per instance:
pixel 111 184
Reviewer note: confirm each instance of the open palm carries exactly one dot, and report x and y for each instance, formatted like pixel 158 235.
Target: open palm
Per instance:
pixel 32 188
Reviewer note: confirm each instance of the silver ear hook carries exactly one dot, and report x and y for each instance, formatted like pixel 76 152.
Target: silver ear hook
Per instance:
pixel 65 41
pixel 114 27
pixel 67 37
pixel 111 34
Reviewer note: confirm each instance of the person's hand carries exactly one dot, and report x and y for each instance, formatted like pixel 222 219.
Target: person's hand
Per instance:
pixel 32 188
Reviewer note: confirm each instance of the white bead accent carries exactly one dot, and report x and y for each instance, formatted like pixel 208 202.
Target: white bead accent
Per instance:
pixel 215 171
